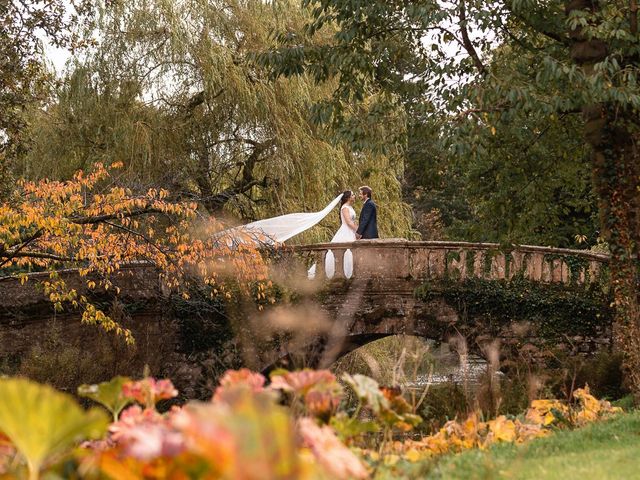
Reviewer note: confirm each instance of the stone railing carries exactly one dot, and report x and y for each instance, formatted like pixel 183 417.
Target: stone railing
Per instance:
pixel 397 258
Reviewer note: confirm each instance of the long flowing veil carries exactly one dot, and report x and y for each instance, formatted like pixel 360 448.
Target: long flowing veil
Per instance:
pixel 282 228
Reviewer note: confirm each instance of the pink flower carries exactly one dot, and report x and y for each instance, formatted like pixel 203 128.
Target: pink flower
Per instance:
pixel 338 461
pixel 322 403
pixel 7 452
pixel 148 391
pixel 319 389
pixel 145 434
pixel 301 381
pixel 243 378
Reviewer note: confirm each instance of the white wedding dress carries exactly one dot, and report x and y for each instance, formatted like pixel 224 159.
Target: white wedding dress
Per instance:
pixel 283 227
pixel 343 235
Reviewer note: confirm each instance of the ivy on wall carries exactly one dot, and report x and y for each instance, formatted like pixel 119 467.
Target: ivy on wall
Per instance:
pixel 554 309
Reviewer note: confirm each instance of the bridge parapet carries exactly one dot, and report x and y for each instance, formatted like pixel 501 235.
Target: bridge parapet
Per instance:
pixel 417 260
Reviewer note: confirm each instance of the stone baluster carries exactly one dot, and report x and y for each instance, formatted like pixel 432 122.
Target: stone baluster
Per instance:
pixel 339 259
pixel 318 256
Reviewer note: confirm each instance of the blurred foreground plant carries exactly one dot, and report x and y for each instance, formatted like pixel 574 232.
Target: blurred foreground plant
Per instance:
pixel 42 424
pixel 293 427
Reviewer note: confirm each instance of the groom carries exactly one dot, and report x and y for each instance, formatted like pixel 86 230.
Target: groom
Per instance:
pixel 368 225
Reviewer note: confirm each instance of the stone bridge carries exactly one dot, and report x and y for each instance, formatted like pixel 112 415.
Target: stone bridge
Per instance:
pixel 444 291
pixel 438 290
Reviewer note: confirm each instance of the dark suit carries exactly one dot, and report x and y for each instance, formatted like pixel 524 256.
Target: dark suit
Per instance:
pixel 368 226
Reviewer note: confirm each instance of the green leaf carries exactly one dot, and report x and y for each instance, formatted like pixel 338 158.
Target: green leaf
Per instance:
pixel 42 422
pixel 109 394
pixel 368 391
pixel 348 427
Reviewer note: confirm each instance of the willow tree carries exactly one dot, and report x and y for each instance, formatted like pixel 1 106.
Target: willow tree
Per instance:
pixel 171 91
pixel 587 50
pixel 23 75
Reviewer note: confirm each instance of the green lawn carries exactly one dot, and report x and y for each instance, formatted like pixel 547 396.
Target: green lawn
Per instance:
pixel 604 450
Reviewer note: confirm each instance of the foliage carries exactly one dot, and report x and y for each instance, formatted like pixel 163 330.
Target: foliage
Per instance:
pixel 179 101
pixel 79 223
pixel 245 431
pixel 23 74
pixel 109 394
pixel 530 184
pixel 554 309
pixel 42 423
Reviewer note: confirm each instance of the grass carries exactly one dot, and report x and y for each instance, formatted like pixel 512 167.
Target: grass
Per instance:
pixel 604 450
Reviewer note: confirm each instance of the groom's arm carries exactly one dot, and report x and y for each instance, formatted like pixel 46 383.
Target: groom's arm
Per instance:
pixel 365 218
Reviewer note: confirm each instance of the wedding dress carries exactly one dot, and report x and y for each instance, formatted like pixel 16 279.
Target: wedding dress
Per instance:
pixel 281 228
pixel 343 235
pixel 278 229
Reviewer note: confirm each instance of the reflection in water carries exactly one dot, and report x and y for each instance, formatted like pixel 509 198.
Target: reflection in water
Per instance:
pixel 413 362
pixel 450 367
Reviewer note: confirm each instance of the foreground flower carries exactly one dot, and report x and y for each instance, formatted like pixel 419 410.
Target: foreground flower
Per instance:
pixel 319 390
pixel 301 381
pixel 243 378
pixel 338 461
pixel 149 391
pixel 7 451
pixel 146 435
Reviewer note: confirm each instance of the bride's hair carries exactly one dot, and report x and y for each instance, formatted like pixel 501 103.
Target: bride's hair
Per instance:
pixel 346 195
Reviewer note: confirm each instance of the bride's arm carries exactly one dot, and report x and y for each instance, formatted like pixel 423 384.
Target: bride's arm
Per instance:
pixel 346 218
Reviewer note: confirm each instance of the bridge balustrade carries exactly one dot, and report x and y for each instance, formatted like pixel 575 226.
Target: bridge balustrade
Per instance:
pixel 398 258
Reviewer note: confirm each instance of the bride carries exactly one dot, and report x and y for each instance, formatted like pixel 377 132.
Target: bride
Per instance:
pixel 279 229
pixel 346 233
pixel 348 225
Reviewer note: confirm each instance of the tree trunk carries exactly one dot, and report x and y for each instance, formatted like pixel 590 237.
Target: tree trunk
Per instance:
pixel 611 131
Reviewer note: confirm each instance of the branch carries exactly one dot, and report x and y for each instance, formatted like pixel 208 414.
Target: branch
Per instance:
pixel 112 216
pixel 468 45
pixel 246 182
pixel 633 18
pixel 45 255
pixel 9 255
pixel 138 234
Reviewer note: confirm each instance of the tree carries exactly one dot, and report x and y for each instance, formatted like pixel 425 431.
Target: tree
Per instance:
pixel 23 75
pixel 514 191
pixel 175 95
pixel 525 181
pixel 585 61
pixel 88 224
